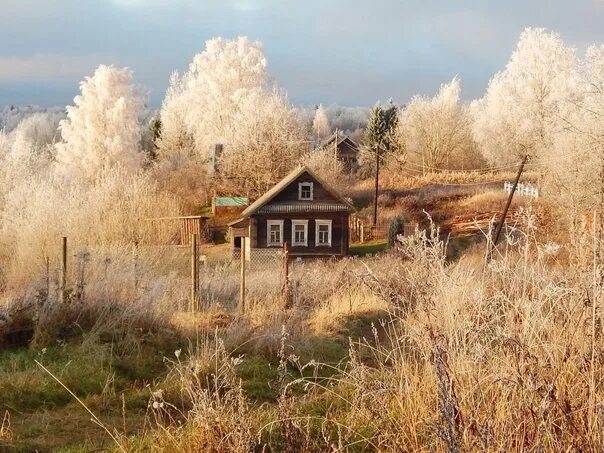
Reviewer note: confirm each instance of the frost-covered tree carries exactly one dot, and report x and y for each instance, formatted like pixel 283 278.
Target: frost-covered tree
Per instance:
pixel 175 142
pixel 201 105
pixel 320 125
pixel 434 130
pixel 102 130
pixel 575 163
pixel 34 136
pixel 331 169
pixel 521 110
pixel 268 147
pixel 227 97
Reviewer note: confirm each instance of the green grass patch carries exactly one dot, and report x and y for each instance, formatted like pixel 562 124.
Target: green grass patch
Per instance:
pixel 368 248
pixel 45 417
pixel 258 376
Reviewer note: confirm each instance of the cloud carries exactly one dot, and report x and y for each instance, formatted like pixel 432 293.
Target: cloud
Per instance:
pixel 242 6
pixel 47 67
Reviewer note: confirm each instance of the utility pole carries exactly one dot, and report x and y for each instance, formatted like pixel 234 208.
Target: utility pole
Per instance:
pixel 507 207
pixel 377 184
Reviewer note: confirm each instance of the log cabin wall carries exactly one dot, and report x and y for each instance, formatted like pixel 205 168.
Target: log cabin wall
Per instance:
pixel 339 232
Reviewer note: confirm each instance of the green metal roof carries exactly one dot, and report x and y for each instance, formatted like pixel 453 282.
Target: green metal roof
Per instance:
pixel 231 201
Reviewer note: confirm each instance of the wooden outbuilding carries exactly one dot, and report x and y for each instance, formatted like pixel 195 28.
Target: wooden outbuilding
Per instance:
pixel 301 210
pixel 178 230
pixel 228 205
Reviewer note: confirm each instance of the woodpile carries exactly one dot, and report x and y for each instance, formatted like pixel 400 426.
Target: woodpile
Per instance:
pixel 471 225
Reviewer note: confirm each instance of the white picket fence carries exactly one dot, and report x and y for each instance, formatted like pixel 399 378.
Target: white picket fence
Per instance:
pixel 523 189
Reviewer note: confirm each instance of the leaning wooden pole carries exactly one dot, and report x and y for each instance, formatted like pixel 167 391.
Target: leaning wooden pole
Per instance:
pixel 63 291
pixel 507 207
pixel 194 273
pixel 242 280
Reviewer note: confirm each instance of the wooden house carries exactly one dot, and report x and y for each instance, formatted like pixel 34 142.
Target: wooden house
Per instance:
pixel 345 150
pixel 301 210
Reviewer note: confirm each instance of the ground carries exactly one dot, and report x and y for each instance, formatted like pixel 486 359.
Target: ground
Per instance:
pixel 115 377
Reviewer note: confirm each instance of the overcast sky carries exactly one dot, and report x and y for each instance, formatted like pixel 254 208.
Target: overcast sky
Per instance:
pixel 350 52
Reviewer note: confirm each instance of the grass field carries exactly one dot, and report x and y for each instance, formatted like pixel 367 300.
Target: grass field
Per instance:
pixel 424 346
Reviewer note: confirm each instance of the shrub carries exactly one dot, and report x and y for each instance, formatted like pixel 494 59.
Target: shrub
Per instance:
pixel 396 227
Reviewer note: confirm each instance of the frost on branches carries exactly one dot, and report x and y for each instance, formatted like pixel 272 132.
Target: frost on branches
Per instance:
pixel 575 164
pixel 227 97
pixel 521 110
pixel 102 130
pixel 200 106
pixel 435 130
pixel 320 125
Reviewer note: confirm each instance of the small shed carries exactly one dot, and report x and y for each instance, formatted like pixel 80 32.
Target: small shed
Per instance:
pixel 178 230
pixel 228 205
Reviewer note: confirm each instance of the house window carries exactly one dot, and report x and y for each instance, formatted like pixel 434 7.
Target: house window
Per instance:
pixel 300 233
pixel 323 233
pixel 274 233
pixel 305 191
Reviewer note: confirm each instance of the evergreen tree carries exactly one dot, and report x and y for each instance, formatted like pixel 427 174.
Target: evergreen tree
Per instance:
pixel 396 228
pixel 380 134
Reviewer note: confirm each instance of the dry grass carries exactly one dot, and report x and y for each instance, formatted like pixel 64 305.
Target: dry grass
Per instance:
pixel 404 351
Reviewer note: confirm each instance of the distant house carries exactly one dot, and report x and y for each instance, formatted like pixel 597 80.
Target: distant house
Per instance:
pixel 301 210
pixel 345 150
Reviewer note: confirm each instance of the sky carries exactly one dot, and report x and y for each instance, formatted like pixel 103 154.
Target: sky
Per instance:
pixel 350 52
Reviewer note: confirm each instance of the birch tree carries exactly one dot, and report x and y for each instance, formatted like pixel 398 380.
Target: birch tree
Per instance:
pixel 102 129
pixel 320 124
pixel 436 129
pixel 227 97
pixel 201 105
pixel 521 111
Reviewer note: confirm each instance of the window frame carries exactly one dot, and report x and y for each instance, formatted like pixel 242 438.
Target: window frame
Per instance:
pixel 269 224
pixel 295 223
pixel 318 223
pixel 312 188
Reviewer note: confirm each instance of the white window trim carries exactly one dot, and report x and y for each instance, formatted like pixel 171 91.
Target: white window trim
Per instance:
pixel 312 188
pixel 270 223
pixel 300 222
pixel 319 222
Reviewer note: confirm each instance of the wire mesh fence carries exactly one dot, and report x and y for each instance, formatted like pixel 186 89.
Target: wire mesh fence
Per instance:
pixel 153 276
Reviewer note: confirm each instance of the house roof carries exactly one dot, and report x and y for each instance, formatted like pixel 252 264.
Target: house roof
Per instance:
pixel 230 201
pixel 285 182
pixel 303 206
pixel 341 138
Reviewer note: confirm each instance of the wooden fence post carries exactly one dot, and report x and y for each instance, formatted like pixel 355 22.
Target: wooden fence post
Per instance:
pixel 194 273
pixel 63 289
pixel 242 282
pixel 286 287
